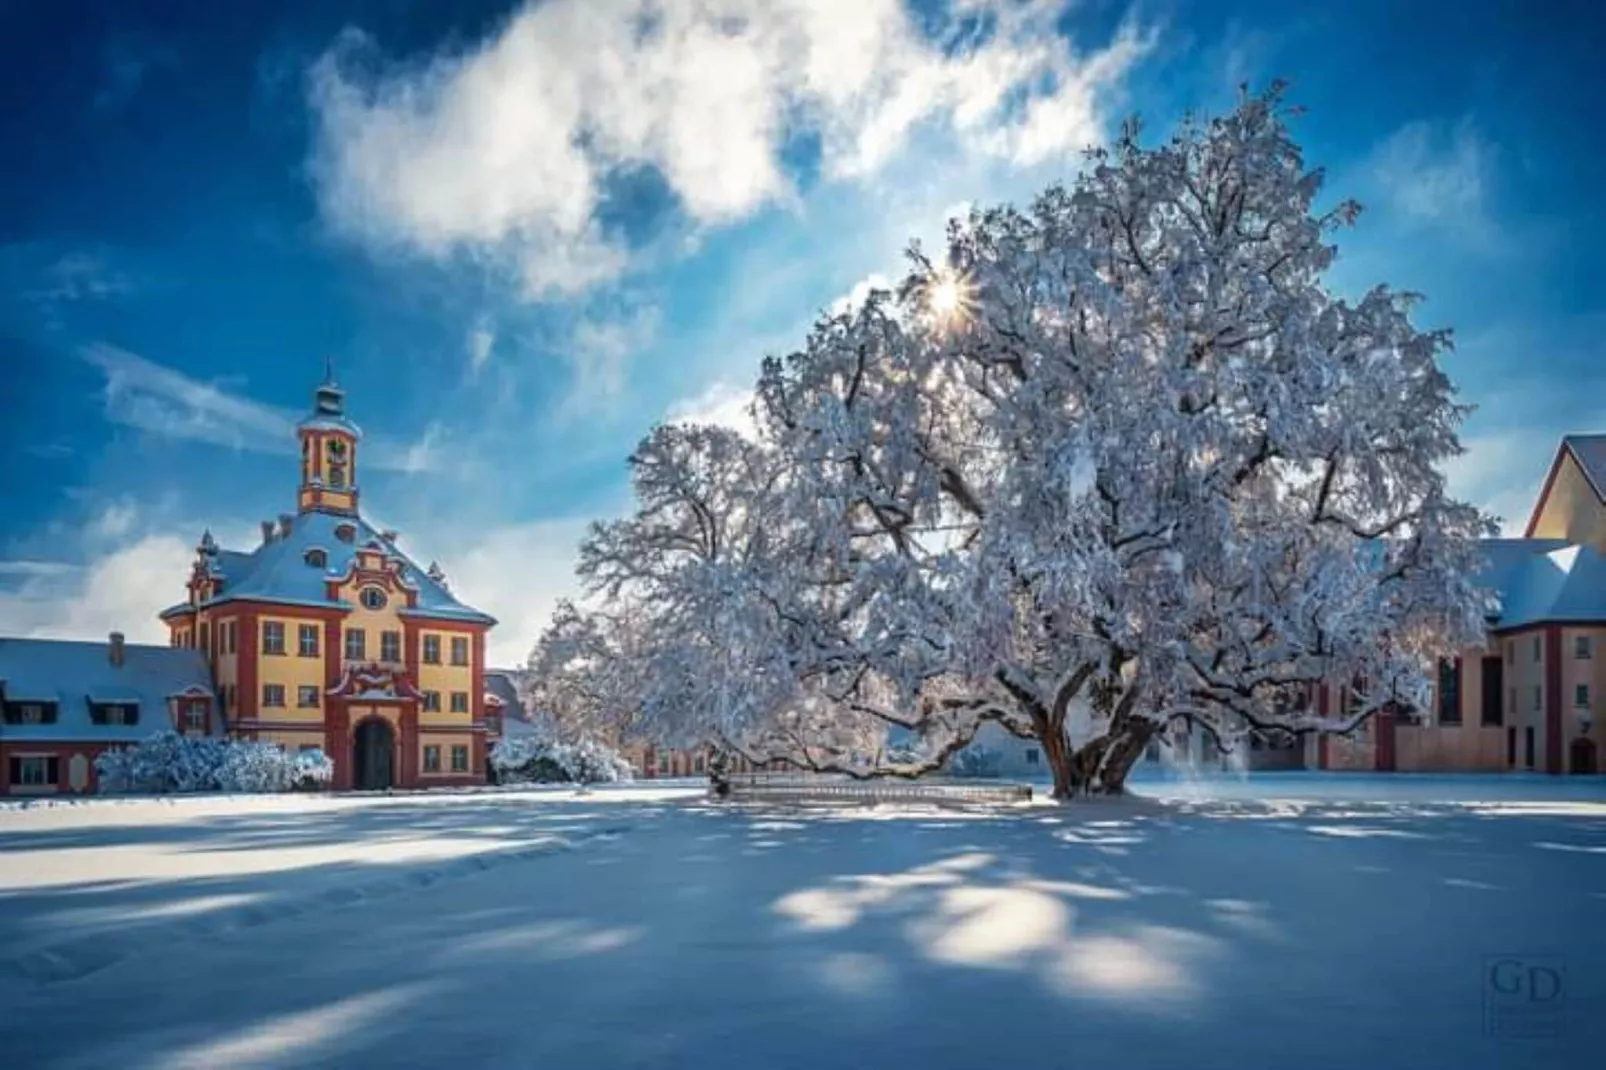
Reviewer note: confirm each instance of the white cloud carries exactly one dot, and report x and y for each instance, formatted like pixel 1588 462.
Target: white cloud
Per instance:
pixel 723 404
pixel 505 150
pixel 516 573
pixel 1431 174
pixel 120 591
pixel 860 293
pixel 1501 472
pixel 599 352
pixel 153 398
pixel 114 521
pixel 481 340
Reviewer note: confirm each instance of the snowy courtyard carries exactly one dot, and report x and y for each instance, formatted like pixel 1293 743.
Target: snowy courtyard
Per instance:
pixel 1292 921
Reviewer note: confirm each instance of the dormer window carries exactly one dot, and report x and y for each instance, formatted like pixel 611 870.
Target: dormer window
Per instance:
pixel 317 558
pixel 114 712
pixel 30 712
pixel 346 532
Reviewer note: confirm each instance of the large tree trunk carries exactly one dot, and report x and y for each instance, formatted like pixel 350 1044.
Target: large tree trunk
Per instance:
pixel 1060 764
pixel 1124 751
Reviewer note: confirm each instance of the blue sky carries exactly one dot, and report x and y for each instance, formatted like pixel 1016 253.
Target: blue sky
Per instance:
pixel 525 232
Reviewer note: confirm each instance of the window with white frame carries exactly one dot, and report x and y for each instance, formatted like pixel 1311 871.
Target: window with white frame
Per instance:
pixel 273 694
pixel 356 644
pixel 34 770
pixel 307 696
pixel 307 640
pixel 272 637
pixel 459 650
pixel 459 759
pixel 1581 648
pixel 459 701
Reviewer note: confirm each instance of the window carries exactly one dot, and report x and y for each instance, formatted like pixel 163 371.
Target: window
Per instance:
pixel 372 598
pixel 697 766
pixel 346 532
pixel 432 650
pixel 356 644
pixel 1449 691
pixel 206 637
pixel 459 759
pixel 1528 746
pixel 1031 755
pixel 432 701
pixel 229 637
pixel 1539 648
pixel 1511 746
pixel 1581 695
pixel 114 712
pixel 30 713
pixel 272 637
pixel 195 716
pixel 459 650
pixel 273 694
pixel 1494 673
pixel 307 697
pixel 459 701
pixel 390 646
pixel 1537 697
pixel 307 635
pixel 34 771
pixel 228 700
pixel 432 759
pixel 316 558
pixel 1581 649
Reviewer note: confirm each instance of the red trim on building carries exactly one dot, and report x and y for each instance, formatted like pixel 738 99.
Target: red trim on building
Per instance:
pixel 1383 753
pixel 1553 749
pixel 63 753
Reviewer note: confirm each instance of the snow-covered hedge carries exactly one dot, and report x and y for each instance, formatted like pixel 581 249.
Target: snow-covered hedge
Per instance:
pixel 168 762
pixel 524 758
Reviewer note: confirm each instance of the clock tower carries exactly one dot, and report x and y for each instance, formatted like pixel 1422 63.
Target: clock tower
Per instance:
pixel 328 453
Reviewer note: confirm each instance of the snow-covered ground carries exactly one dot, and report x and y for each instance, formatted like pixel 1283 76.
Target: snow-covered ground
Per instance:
pixel 1287 921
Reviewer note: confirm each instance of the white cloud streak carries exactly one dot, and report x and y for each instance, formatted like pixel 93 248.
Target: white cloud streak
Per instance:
pixel 1433 175
pixel 168 404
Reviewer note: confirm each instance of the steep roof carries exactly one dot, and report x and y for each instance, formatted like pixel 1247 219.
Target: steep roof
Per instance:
pixel 278 571
pixel 1589 452
pixel 73 673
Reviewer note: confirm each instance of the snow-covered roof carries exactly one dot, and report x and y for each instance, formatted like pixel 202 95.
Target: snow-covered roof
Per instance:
pixel 515 718
pixel 74 674
pixel 279 571
pixel 1556 585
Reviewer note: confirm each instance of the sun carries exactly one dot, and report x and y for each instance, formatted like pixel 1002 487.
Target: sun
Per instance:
pixel 948 297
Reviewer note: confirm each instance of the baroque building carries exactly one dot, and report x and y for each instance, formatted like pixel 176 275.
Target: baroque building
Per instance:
pixel 328 636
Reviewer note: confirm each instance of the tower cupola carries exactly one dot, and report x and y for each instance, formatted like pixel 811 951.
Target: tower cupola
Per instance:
pixel 328 451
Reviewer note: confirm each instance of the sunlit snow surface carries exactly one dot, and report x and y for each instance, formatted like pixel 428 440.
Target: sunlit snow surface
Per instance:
pixel 1288 921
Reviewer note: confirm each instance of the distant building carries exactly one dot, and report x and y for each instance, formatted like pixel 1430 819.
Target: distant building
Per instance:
pixel 1526 698
pixel 62 703
pixel 328 636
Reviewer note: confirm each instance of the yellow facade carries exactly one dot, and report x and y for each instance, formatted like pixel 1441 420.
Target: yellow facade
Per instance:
pixel 1571 510
pixel 445 678
pixel 373 623
pixel 445 741
pixel 290 670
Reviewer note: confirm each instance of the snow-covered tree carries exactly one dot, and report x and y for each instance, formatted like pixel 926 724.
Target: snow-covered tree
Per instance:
pixel 584 761
pixel 1116 460
pixel 167 762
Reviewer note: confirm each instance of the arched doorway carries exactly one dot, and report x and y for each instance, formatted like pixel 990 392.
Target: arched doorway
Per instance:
pixel 372 752
pixel 1583 756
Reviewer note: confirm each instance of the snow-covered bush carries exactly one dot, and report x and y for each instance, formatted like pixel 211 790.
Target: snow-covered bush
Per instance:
pixel 170 763
pixel 587 761
pixel 314 769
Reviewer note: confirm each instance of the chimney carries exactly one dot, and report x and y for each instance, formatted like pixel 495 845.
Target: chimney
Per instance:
pixel 267 532
pixel 114 650
pixel 285 520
